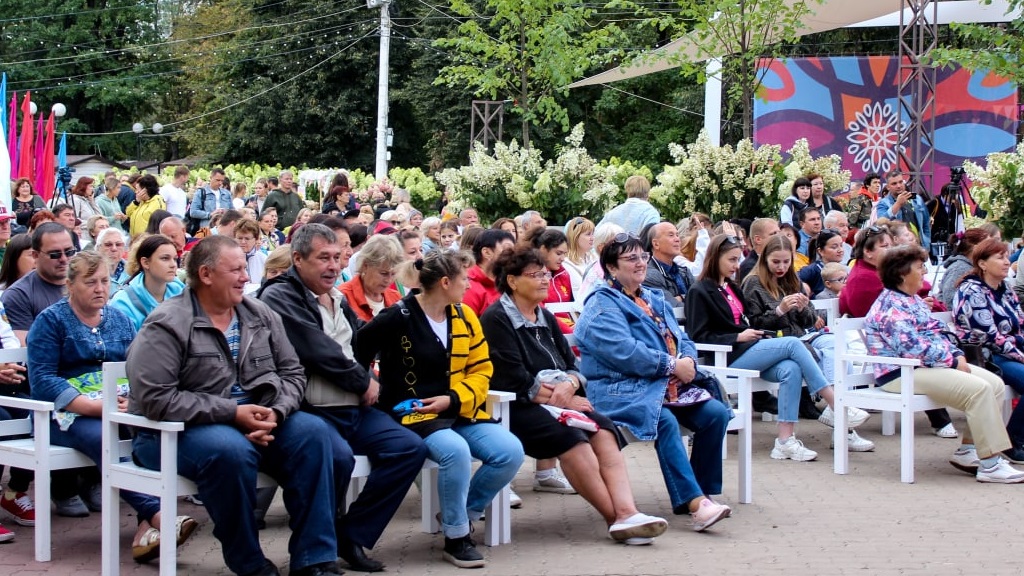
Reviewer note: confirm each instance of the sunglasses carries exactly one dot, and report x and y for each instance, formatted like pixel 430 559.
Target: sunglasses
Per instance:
pixel 622 237
pixel 396 222
pixel 56 254
pixel 875 230
pixel 734 240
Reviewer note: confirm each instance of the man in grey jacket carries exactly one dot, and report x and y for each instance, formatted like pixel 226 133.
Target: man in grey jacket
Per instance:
pixel 662 273
pixel 223 364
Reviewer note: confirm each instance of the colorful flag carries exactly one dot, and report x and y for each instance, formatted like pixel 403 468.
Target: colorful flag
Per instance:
pixel 62 162
pixel 49 178
pixel 26 161
pixel 5 172
pixel 3 111
pixel 12 137
pixel 37 170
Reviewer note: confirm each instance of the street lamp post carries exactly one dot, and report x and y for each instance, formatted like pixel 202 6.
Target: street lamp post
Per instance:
pixel 138 128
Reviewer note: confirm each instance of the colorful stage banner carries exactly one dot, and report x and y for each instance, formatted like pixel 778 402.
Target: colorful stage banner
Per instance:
pixel 848 106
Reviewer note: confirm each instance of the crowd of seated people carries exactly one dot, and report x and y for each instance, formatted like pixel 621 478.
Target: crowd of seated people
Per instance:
pixel 289 345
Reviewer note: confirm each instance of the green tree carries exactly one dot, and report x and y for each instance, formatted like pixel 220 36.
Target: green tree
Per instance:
pixel 744 31
pixel 987 47
pixel 526 51
pixel 102 59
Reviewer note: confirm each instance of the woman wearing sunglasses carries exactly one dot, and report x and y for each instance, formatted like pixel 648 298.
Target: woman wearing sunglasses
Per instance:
pixel 716 314
pixel 640 367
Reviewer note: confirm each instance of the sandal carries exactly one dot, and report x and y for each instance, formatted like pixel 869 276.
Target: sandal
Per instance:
pixel 148 547
pixel 183 528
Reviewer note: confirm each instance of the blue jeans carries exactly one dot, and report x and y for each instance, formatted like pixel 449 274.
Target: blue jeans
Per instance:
pixel 224 464
pixel 701 474
pixel 1013 376
pixel 463 498
pixel 396 457
pixel 825 346
pixel 86 436
pixel 786 361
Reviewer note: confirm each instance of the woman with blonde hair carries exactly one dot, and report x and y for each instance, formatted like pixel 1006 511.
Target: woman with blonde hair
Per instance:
pixel 580 233
pixel 278 262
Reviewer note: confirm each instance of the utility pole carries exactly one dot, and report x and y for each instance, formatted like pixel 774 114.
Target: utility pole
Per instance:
pixel 381 170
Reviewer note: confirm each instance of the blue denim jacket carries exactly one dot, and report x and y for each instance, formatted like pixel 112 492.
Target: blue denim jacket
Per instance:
pixel 61 347
pixel 623 356
pixel 923 218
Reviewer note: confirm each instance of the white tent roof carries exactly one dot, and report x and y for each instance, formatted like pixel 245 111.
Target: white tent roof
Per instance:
pixel 829 15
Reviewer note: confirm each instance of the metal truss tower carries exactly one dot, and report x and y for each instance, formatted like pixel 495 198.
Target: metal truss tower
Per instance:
pixel 918 36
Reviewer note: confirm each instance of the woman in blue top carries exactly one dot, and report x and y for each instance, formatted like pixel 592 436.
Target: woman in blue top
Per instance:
pixel 640 366
pixel 154 269
pixel 68 344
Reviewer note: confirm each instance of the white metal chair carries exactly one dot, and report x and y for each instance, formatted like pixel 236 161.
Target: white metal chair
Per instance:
pixel 831 308
pixel 860 390
pixel 35 453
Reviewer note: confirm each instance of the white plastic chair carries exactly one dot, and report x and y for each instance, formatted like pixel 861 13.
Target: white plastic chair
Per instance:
pixel 35 453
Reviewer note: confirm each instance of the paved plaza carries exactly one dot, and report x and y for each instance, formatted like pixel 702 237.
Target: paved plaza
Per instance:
pixel 804 520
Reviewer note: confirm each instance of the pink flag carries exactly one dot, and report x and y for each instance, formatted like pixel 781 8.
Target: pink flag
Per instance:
pixel 26 161
pixel 12 136
pixel 37 170
pixel 49 174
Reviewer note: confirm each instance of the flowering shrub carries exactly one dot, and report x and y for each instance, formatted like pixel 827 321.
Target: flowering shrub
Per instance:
pixel 421 186
pixel 999 188
pixel 719 181
pixel 801 163
pixel 514 179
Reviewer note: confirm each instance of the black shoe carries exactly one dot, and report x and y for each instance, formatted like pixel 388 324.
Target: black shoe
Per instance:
pixel 356 558
pixel 462 553
pixel 318 569
pixel 808 409
pixel 268 569
pixel 764 402
pixel 1014 455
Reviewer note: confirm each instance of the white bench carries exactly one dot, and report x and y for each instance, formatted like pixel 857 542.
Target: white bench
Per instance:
pixel 35 453
pixel 167 485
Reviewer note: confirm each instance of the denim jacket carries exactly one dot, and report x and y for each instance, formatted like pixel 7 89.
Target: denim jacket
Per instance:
pixel 623 356
pixel 922 219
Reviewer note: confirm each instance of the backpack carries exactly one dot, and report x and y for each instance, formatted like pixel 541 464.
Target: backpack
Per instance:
pixel 192 224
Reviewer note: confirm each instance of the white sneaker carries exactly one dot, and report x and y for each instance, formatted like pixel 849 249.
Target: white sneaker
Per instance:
pixel 792 449
pixel 947 431
pixel 638 541
pixel 856 444
pixel 1001 473
pixel 555 483
pixel 966 460
pixel 854 417
pixel 638 525
pixel 514 500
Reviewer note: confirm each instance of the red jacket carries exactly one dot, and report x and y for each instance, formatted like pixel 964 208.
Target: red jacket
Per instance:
pixel 863 286
pixel 560 290
pixel 353 291
pixel 481 293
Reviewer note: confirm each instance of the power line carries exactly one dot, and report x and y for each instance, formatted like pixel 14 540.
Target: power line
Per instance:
pixel 240 102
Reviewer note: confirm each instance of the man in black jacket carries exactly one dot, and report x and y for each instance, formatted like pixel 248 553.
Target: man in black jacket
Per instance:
pixel 662 272
pixel 322 328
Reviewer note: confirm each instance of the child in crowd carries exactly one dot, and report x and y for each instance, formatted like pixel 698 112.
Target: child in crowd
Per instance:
pixel 834 275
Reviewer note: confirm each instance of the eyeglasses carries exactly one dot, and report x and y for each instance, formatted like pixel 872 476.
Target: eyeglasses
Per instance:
pixel 113 244
pixel 625 237
pixel 634 258
pixel 541 275
pixel 396 222
pixel 56 254
pixel 837 280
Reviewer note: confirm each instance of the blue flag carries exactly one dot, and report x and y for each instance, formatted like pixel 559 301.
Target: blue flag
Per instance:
pixel 3 111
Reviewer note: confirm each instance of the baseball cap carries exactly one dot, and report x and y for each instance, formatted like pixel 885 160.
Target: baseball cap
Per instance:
pixel 6 215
